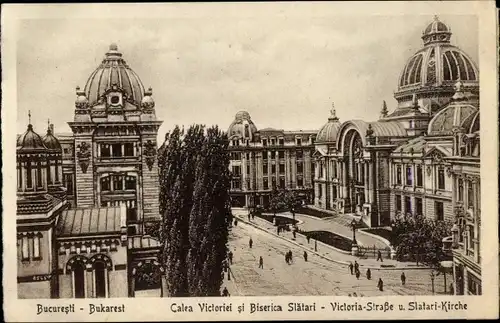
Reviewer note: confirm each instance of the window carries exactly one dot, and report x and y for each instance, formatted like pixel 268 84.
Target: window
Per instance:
pixel 105 184
pixel 474 285
pixel 419 210
pixel 409 177
pixel 273 154
pixel 115 99
pixel 320 171
pixel 236 184
pixel 282 182
pixel 273 182
pixel 236 171
pixel 282 168
pixel 49 177
pixel 129 149
pixel 266 183
pixel 39 174
pixel 408 209
pixel 273 142
pixel 300 167
pixel 235 156
pixel 236 142
pixel 334 192
pixel 105 150
pixel 79 280
pixel 66 151
pixel 56 170
pixel 29 174
pixel 313 167
pixel 419 176
pixel 247 155
pixel 439 210
pixel 100 279
pixel 264 142
pixel 265 169
pixel 460 196
pixel 25 251
pixel 398 202
pixel 273 169
pixel 320 190
pixel 117 183
pixel 281 154
pixel 300 182
pixel 334 170
pixel 281 141
pixel 117 150
pixel 299 154
pixel 441 184
pixel 248 169
pixel 20 176
pixel 130 183
pixel 398 175
pixel 299 141
pixel 68 183
pixel 36 246
pixel 470 195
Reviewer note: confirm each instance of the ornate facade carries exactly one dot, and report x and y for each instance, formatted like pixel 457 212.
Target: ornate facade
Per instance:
pixel 85 199
pixel 421 159
pixel 268 158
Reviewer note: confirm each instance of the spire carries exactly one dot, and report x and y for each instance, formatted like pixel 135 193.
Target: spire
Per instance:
pixel 48 126
pixel 29 117
pixel 333 114
pixel 384 112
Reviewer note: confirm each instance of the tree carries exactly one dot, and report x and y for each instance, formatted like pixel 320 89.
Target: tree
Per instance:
pixel 384 111
pixel 195 183
pixel 285 200
pixel 419 239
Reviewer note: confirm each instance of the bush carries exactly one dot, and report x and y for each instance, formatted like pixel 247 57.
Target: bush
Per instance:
pixel 331 239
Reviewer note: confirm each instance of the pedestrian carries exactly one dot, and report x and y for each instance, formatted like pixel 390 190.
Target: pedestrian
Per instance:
pixel 235 222
pixel 350 295
pixel 261 262
pixel 356 265
pixel 351 268
pixel 294 234
pixel 451 289
pixel 286 258
pixel 308 239
pixel 253 215
pixel 224 265
pixel 358 274
pixel 230 256
pixel 379 256
pixel 305 256
pixel 250 243
pixel 354 294
pixel 380 285
pixel 403 278
pixel 290 256
pixel 368 274
pixel 278 230
pixel 248 216
pixel 315 245
pixel 225 292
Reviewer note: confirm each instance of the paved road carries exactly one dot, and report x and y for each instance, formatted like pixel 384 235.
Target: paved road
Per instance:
pixel 315 277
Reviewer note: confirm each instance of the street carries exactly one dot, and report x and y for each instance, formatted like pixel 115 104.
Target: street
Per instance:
pixel 318 276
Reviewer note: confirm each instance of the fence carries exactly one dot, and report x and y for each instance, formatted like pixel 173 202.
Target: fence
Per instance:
pixel 372 252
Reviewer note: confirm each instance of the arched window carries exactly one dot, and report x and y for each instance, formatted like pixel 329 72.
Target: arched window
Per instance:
pixel 100 279
pixel 39 174
pixel 29 178
pixel 20 175
pixel 105 184
pixel 79 280
pixel 56 170
pixel 49 177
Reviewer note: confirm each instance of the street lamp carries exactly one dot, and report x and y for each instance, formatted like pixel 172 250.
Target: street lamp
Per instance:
pixel 432 281
pixel 354 224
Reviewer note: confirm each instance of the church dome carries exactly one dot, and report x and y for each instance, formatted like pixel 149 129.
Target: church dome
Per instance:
pixel 242 126
pixel 328 133
pixel 113 71
pixel 30 141
pixel 50 141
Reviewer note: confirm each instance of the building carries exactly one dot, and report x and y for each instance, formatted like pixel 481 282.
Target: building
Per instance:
pixel 421 159
pixel 268 158
pixel 85 199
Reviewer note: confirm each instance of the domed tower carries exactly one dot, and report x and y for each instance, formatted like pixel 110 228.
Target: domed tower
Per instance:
pixel 115 130
pixel 54 159
pixel 242 128
pixel 430 74
pixel 328 133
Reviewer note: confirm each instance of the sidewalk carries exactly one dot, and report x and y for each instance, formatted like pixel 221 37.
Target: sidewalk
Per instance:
pixel 323 250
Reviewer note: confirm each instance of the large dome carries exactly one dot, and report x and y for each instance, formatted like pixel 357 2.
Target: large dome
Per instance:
pixel 30 141
pixel 50 141
pixel 328 133
pixel 242 126
pixel 114 71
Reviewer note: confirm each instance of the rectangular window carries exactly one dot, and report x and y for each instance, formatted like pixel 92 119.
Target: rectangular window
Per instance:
pixel 419 209
pixel 129 149
pixel 105 184
pixel 281 141
pixel 409 177
pixel 236 184
pixel 273 181
pixel 68 183
pixel 273 142
pixel 299 141
pixel 248 169
pixel 282 182
pixel 282 168
pixel 460 196
pixel 130 183
pixel 439 210
pixel 118 183
pixel 66 151
pixel 247 155
pixel 36 247
pixel 470 195
pixel 320 190
pixel 273 155
pixel 266 183
pixel 281 154
pixel 334 170
pixel 264 142
pixel 398 175
pixel 300 167
pixel 236 170
pixel 39 175
pixel 419 176
pixel 300 182
pixel 299 154
pixel 29 174
pixel 105 150
pixel 441 183
pixel 20 176
pixel 25 251
pixel 398 202
pixel 49 175
pixel 117 150
pixel 265 170
pixel 408 209
pixel 273 169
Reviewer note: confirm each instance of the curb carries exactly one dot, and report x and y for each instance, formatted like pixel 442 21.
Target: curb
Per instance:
pixel 375 237
pixel 345 263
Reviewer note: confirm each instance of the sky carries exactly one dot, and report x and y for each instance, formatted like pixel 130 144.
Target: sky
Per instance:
pixel 285 71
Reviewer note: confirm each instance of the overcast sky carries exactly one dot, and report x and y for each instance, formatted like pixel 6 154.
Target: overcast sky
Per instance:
pixel 284 71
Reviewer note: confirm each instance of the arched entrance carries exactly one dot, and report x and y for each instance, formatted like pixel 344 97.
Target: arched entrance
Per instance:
pixel 354 180
pixel 147 279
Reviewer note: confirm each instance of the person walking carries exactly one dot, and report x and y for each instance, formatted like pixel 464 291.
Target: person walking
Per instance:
pixel 351 268
pixel 225 292
pixel 253 216
pixel 261 262
pixel 249 216
pixel 308 239
pixel 250 243
pixel 368 274
pixel 278 230
pixel 380 285
pixel 290 256
pixel 294 234
pixel 379 256
pixel 286 258
pixel 356 266
pixel 235 222
pixel 358 274
pixel 305 256
pixel 403 278
pixel 230 256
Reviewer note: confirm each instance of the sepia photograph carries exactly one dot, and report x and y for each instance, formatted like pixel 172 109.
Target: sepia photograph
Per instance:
pixel 247 156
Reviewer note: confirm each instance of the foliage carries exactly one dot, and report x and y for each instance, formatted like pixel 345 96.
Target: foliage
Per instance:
pixel 284 200
pixel 195 204
pixel 419 239
pixel 330 238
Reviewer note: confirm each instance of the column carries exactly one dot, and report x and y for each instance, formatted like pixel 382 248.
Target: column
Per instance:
pixel 371 169
pixel 122 146
pixel 99 150
pixel 344 180
pixel 367 193
pixel 288 171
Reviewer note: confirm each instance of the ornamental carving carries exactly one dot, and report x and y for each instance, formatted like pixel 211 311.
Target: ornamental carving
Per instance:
pixel 149 153
pixel 83 155
pixel 437 158
pixel 449 171
pixel 429 170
